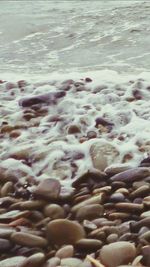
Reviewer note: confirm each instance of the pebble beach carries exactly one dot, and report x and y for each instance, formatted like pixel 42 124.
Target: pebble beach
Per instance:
pixel 75 135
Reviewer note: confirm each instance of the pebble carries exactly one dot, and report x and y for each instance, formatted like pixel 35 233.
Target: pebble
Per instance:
pixel 6 189
pixel 54 211
pixel 146 255
pixel 71 262
pixel 65 252
pixel 88 245
pixel 48 189
pixel 5 245
pixel 6 231
pixel 13 215
pixel 117 253
pixel 35 260
pixel 131 175
pixel 89 212
pixel 53 262
pixel 29 240
pixel 63 231
pixel 103 154
pixel 12 261
pixel 93 200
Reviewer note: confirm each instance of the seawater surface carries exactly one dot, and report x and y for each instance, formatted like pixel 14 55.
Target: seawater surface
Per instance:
pixel 46 36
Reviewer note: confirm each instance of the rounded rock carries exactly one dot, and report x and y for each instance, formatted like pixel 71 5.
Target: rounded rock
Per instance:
pixel 88 244
pixel 36 260
pixel 63 231
pixel 117 253
pixel 71 262
pixel 89 212
pixel 54 211
pixel 65 252
pixel 5 245
pixel 48 189
pixel 29 240
pixel 12 262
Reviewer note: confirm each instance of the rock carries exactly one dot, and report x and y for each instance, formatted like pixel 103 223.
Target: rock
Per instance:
pixel 117 253
pixel 88 245
pixel 53 262
pixel 28 240
pixel 6 231
pixel 65 252
pixel 12 262
pixel 89 176
pixel 146 255
pixel 145 214
pixel 71 262
pixel 49 98
pixel 103 154
pixel 63 231
pixel 48 189
pixel 14 215
pixel 89 212
pixel 54 211
pixel 73 129
pixel 6 189
pixel 5 245
pixel 36 260
pixel 98 199
pixel 131 175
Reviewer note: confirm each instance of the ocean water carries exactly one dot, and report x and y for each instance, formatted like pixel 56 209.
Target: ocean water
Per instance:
pixel 68 36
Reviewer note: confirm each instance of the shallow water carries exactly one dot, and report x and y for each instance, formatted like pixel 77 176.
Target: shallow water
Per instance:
pixel 46 36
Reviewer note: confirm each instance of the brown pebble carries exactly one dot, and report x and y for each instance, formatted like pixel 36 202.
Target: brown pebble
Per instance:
pixel 35 260
pixel 14 215
pixel 12 261
pixel 71 262
pixel 6 189
pixel 112 238
pixel 88 244
pixel 73 129
pixel 98 199
pixel 48 189
pixel 65 252
pixel 5 245
pixel 63 231
pixel 131 175
pixel 117 253
pixel 128 207
pixel 53 262
pixel 28 240
pixel 54 211
pixel 146 255
pixel 89 212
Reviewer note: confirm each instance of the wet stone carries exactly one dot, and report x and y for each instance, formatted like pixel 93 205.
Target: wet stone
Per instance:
pixel 131 175
pixel 54 211
pixel 5 245
pixel 53 262
pixel 29 240
pixel 13 215
pixel 63 231
pixel 117 253
pixel 65 252
pixel 48 189
pixel 12 262
pixel 89 212
pixel 92 200
pixel 71 262
pixel 36 260
pixel 103 154
pixel 89 245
